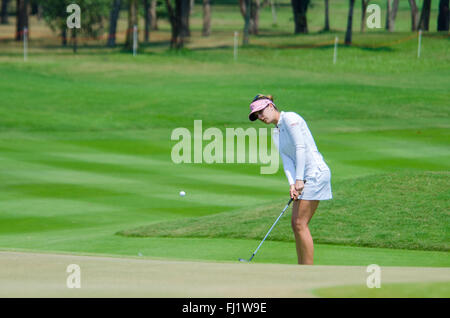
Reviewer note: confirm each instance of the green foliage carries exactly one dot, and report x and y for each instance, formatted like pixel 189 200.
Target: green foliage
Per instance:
pixel 93 14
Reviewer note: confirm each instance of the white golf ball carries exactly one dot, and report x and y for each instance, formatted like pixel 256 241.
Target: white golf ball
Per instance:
pixel 182 193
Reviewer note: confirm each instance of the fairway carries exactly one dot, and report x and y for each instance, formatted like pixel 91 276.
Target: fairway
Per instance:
pixel 87 174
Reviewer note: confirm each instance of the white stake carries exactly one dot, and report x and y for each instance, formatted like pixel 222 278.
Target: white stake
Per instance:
pixel 420 44
pixel 335 50
pixel 236 35
pixel 25 43
pixel 134 40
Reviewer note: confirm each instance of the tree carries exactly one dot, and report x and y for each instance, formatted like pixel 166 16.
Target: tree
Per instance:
pixel 424 22
pixel 327 16
pixel 443 16
pixel 113 17
pixel 206 31
pixel 36 9
pixel 21 18
pixel 148 20
pixel 246 7
pixel 364 4
pixel 153 15
pixel 185 14
pixel 348 34
pixel 414 14
pixel 177 18
pixel 4 12
pixel 94 13
pixel 391 14
pixel 132 21
pixel 388 12
pixel 300 9
pixel 253 18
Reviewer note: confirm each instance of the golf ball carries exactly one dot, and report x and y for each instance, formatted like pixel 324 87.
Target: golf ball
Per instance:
pixel 182 193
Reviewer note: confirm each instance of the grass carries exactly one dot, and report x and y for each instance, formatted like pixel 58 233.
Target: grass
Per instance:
pixel 85 144
pixel 393 290
pixel 403 211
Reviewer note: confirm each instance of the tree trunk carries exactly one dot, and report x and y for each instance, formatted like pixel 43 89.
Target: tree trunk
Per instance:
pixel 114 16
pixel 154 18
pixel 245 9
pixel 388 13
pixel 22 18
pixel 253 27
pixel 424 23
pixel 300 8
pixel 206 31
pixel 34 8
pixel 364 4
pixel 173 24
pixel 414 15
pixel 74 40
pixel 393 15
pixel 256 4
pixel 274 12
pixel 4 13
pixel 39 12
pixel 185 6
pixel 64 36
pixel 148 20
pixel 348 34
pixel 327 16
pixel 443 16
pixel 176 21
pixel 254 17
pixel 132 21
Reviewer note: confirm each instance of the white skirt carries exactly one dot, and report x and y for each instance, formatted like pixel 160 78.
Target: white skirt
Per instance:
pixel 318 187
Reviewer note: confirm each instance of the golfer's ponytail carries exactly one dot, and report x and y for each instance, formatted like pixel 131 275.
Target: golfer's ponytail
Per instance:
pixel 261 96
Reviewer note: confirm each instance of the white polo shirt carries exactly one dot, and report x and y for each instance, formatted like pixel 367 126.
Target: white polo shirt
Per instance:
pixel 299 153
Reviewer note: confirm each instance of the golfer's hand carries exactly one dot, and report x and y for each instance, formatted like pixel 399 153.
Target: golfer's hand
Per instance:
pixel 299 185
pixel 293 193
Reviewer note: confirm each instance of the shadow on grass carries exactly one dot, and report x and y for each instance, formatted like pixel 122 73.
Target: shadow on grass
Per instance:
pixel 296 46
pixel 145 48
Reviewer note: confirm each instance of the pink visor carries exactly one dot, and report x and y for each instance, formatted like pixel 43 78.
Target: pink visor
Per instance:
pixel 257 106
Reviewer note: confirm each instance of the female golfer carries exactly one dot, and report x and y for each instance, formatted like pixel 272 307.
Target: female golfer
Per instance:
pixel 308 174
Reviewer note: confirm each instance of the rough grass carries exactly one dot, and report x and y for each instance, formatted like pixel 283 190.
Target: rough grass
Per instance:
pixel 399 210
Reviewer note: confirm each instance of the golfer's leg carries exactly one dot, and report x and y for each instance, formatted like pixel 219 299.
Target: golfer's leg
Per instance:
pixel 295 208
pixel 302 212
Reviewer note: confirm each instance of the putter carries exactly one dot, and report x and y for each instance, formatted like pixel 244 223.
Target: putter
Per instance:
pixel 256 251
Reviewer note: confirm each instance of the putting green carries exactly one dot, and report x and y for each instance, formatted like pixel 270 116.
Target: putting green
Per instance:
pixel 45 275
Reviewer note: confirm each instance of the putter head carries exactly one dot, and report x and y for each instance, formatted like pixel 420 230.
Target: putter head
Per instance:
pixel 243 260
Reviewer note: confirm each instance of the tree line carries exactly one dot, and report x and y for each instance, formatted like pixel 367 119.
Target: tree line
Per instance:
pixel 95 13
